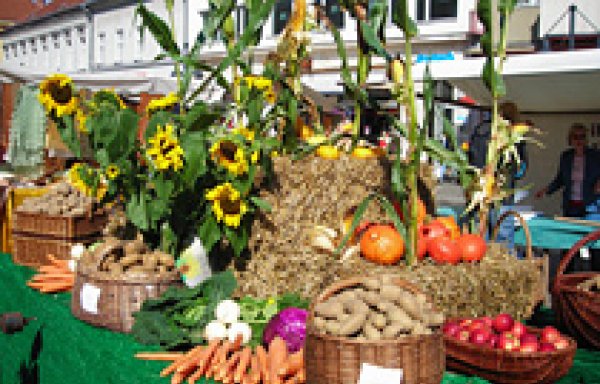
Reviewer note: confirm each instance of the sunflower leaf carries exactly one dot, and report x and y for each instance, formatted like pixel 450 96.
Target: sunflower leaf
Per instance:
pixel 209 231
pixel 238 238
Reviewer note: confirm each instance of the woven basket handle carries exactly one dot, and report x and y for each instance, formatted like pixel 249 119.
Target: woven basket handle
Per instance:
pixel 564 263
pixel 528 250
pixel 105 252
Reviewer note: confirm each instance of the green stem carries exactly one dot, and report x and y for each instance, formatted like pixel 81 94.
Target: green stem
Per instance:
pixel 413 153
pixel 177 69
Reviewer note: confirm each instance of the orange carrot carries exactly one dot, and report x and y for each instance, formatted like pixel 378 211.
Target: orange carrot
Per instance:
pixel 191 361
pixel 177 378
pixel 243 365
pixel 205 360
pixel 254 373
pixel 228 366
pixel 277 356
pixel 218 359
pixel 158 356
pixel 293 364
pixel 53 276
pixel 46 287
pixel 173 366
pixel 298 378
pixel 58 262
pixel 51 269
pixel 263 363
pixel 237 342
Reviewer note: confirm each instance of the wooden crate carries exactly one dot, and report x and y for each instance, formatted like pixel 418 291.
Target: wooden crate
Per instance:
pixel 32 250
pixel 67 227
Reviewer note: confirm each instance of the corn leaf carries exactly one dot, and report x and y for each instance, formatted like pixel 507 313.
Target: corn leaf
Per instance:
pixel 158 28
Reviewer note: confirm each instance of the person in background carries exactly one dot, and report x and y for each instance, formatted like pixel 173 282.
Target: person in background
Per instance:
pixel 578 174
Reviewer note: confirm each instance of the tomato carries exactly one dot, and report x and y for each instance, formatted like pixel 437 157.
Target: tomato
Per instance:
pixel 434 230
pixel 443 250
pixel 472 247
pixel 450 224
pixel 421 247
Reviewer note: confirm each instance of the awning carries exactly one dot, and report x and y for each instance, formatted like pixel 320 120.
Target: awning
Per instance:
pixel 130 83
pixel 541 82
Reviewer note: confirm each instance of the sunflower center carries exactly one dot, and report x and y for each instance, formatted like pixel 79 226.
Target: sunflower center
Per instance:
pixel 230 207
pixel 61 94
pixel 227 150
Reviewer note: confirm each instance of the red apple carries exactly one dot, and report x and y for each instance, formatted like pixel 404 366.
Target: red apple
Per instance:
pixel 550 334
pixel 463 334
pixel 503 322
pixel 561 343
pixel 529 346
pixel 451 328
pixel 493 341
pixel 547 347
pixel 529 338
pixel 518 329
pixel 465 323
pixel 477 324
pixel 480 336
pixel 487 321
pixel 508 342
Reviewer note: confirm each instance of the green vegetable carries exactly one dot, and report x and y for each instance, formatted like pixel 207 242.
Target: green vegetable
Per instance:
pixel 175 319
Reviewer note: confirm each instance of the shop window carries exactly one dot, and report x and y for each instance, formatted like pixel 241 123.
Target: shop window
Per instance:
pixel 281 15
pixel 436 9
pixel 334 13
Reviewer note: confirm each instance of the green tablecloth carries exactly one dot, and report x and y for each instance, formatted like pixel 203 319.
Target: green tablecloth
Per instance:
pixel 74 352
pixel 554 234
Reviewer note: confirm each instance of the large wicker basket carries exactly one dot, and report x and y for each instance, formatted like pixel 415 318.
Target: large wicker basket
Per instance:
pixel 507 367
pixel 542 264
pixel 338 360
pixel 110 301
pixel 577 310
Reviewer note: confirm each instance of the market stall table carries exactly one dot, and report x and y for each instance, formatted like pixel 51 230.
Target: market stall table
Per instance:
pixel 75 352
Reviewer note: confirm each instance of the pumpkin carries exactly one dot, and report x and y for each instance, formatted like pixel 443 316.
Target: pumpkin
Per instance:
pixel 328 152
pixel 364 153
pixel 450 224
pixel 382 244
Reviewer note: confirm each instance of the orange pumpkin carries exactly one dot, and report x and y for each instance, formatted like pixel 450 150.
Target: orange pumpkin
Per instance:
pixel 382 244
pixel 450 224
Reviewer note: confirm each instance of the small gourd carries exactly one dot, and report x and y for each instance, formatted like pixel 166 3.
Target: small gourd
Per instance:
pixel 328 152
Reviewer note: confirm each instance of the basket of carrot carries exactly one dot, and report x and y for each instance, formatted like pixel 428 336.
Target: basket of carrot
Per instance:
pixel 230 362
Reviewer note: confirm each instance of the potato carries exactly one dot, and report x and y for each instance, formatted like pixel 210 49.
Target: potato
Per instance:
pixel 392 331
pixel 391 292
pixel 356 306
pixel 372 284
pixel 371 332
pixel 378 320
pixel 320 323
pixel 332 327
pixel 420 329
pixel 329 310
pixel 130 260
pixel 399 316
pixel 353 324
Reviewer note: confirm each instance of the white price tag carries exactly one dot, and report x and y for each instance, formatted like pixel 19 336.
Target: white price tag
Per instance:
pixel 584 253
pixel 89 298
pixel 372 374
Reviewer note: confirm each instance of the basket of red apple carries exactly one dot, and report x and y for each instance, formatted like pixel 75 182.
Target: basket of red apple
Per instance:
pixel 506 351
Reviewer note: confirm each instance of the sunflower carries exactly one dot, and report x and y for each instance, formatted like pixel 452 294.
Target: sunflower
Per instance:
pixel 112 171
pixel 110 95
pixel 163 103
pixel 81 118
pixel 254 157
pixel 243 131
pixel 165 151
pixel 227 205
pixel 75 179
pixel 57 95
pixel 230 156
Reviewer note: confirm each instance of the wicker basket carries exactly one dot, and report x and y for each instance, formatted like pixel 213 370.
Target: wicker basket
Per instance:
pixel 505 367
pixel 32 251
pixel 68 227
pixel 577 310
pixel 110 301
pixel 338 360
pixel 542 263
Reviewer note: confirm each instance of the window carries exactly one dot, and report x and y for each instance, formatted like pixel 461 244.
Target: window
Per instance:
pixel 6 52
pixel 81 34
pixel 334 13
pixel 527 3
pixel 23 45
pixel 139 46
pixel 14 49
pixel 102 48
pixel 241 19
pixel 281 15
pixel 46 2
pixel 436 9
pixel 119 45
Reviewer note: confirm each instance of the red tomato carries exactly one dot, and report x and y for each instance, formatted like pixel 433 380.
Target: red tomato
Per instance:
pixel 421 247
pixel 472 247
pixel 443 250
pixel 434 230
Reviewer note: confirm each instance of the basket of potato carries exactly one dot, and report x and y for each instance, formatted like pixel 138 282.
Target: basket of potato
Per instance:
pixel 383 321
pixel 113 280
